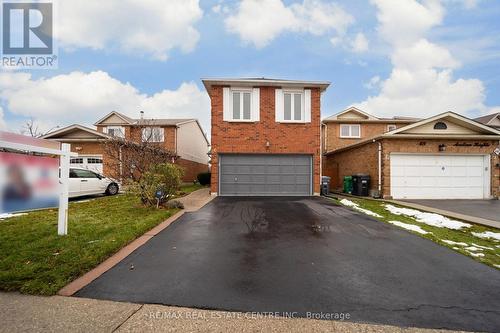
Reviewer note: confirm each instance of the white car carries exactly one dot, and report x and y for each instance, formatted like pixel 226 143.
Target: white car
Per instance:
pixel 86 182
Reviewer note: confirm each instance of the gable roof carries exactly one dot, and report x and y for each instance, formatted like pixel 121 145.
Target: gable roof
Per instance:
pixel 478 131
pixel 368 117
pixel 60 133
pixel 461 120
pixel 488 119
pixel 352 109
pixel 119 115
pixel 162 122
pixel 263 81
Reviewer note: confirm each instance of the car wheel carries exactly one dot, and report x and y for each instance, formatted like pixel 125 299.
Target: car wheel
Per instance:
pixel 112 189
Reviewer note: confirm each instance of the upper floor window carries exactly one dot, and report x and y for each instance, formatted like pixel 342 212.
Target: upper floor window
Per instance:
pixel 116 131
pixel 153 134
pixel 241 104
pixel 440 126
pixel 350 131
pixel 391 127
pixel 293 106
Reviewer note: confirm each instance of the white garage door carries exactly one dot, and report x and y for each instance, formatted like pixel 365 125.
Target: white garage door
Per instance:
pixel 415 176
pixel 93 163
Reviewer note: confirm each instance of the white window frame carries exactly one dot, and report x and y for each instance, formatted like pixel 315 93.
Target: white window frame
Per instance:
pixel 393 126
pixel 292 106
pixel 350 136
pixel 241 91
pixel 151 137
pixel 120 128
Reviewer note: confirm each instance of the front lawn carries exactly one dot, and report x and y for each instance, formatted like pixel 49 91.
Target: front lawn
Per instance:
pixel 35 260
pixel 447 232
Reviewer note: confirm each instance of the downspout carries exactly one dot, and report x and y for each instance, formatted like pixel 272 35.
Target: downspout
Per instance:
pixel 379 168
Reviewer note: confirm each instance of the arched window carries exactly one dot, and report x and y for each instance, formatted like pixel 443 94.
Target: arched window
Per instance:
pixel 440 126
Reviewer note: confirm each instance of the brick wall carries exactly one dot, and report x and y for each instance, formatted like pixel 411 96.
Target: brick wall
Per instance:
pixel 231 137
pixel 191 169
pixel 332 139
pixel 364 159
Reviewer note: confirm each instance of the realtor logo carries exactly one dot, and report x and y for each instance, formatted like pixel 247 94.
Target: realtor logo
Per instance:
pixel 27 35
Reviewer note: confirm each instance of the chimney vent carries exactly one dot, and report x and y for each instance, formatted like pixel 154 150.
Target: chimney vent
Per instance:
pixel 142 114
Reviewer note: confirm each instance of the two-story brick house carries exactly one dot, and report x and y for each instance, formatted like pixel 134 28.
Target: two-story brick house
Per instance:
pixel 447 156
pixel 265 136
pixel 182 137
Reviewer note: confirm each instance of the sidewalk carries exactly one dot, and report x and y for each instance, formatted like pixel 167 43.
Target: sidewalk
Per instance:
pixel 192 202
pixel 22 313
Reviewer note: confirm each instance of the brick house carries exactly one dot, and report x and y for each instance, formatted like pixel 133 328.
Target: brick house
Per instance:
pixel 447 156
pixel 265 136
pixel 183 137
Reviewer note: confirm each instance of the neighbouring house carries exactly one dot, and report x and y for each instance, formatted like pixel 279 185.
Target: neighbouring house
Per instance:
pixel 447 156
pixel 182 137
pixel 492 120
pixel 353 125
pixel 265 136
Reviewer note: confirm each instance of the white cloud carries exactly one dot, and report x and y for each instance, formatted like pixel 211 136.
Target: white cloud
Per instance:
pixel 405 22
pixel 373 83
pixel 260 21
pixel 152 27
pixel 83 98
pixel 421 82
pixel 359 44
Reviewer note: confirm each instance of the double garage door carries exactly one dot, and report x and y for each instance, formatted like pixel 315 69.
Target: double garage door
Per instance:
pixel 416 176
pixel 265 175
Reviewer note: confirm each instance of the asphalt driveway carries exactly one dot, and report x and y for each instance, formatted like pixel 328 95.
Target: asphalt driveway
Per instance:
pixel 486 209
pixel 305 255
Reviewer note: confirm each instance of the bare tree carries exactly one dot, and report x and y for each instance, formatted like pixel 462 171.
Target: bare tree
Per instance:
pixel 32 129
pixel 128 159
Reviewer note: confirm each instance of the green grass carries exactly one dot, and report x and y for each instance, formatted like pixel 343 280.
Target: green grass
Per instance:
pixel 188 188
pixel 436 234
pixel 35 260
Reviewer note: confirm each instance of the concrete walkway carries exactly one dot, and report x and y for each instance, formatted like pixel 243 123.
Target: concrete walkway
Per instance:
pixel 21 313
pixel 192 202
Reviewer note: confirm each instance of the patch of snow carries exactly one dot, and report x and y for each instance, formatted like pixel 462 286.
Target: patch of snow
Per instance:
pixel 355 206
pixel 473 248
pixel 482 247
pixel 411 227
pixel 9 215
pixel 455 248
pixel 487 234
pixel 453 243
pixel 431 219
pixel 497 266
pixel 475 254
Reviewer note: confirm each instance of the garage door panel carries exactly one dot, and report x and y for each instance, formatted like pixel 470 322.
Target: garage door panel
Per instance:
pixel 265 174
pixel 416 176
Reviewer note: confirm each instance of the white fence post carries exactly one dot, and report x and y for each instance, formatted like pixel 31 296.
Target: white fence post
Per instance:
pixel 62 224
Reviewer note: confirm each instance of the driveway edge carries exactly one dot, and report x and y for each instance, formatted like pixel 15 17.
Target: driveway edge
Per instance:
pixel 74 286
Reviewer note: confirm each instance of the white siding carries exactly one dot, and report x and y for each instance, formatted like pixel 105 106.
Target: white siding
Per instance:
pixel 191 144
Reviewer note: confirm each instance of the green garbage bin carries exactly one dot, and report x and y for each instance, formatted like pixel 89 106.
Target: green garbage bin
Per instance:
pixel 348 184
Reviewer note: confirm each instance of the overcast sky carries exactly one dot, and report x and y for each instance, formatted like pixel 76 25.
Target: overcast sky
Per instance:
pixel 387 57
